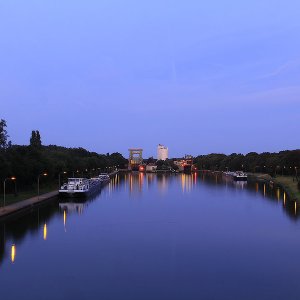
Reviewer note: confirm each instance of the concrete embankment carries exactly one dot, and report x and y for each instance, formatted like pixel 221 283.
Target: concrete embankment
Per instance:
pixel 25 205
pixel 113 173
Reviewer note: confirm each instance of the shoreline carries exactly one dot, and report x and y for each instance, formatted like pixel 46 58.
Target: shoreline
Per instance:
pixel 25 205
pixel 30 203
pixel 285 182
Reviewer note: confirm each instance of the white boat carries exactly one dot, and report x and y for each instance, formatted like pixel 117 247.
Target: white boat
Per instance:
pixel 237 176
pixel 240 176
pixel 79 187
pixel 104 177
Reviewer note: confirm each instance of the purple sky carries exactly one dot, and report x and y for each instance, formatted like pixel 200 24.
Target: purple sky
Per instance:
pixel 199 77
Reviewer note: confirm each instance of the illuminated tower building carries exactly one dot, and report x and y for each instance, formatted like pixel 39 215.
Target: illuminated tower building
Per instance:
pixel 162 152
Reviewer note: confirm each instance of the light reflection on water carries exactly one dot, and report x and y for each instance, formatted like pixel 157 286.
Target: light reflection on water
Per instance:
pixel 13 253
pixel 208 229
pixel 45 232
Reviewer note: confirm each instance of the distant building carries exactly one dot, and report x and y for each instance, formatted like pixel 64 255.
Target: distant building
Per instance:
pixel 162 152
pixel 186 164
pixel 135 158
pixel 151 168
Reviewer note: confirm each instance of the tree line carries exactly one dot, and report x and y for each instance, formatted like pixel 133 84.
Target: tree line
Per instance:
pixel 27 162
pixel 283 163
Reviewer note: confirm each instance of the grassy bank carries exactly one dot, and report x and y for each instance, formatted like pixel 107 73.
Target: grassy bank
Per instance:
pixel 26 194
pixel 290 185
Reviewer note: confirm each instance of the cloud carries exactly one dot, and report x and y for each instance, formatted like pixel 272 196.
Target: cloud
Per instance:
pixel 284 68
pixel 289 94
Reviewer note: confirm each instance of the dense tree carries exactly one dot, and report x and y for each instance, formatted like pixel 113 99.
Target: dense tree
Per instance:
pixel 117 159
pixel 167 164
pixel 27 162
pixel 35 139
pixel 283 162
pixel 3 135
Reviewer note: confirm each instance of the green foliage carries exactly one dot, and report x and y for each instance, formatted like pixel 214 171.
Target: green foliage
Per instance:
pixel 282 163
pixel 27 162
pixel 167 164
pixel 118 160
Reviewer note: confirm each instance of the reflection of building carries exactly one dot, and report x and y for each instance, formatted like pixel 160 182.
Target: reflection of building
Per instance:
pixel 136 181
pixel 162 182
pixel 162 152
pixel 135 159
pixel 187 182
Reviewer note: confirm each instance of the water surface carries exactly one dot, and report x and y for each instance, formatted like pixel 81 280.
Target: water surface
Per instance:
pixel 156 237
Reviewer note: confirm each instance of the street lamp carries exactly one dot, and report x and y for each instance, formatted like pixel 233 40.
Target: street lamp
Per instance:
pixel 283 170
pixel 59 178
pixel 77 171
pixel 38 181
pixel 9 178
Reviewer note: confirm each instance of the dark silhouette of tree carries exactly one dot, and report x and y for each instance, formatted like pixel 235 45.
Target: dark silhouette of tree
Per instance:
pixel 3 135
pixel 38 139
pixel 35 139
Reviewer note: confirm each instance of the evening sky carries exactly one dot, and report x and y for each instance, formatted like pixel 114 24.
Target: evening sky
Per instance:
pixel 197 76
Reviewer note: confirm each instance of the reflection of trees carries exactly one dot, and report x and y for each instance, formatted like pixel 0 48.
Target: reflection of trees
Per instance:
pixel 16 229
pixel 277 194
pixel 270 192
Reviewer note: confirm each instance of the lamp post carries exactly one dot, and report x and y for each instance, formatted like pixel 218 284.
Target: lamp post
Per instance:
pixel 64 172
pixel 4 182
pixel 38 181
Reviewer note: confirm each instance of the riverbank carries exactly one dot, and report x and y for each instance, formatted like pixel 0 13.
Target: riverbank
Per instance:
pixel 288 183
pixel 25 205
pixel 16 206
pixel 29 193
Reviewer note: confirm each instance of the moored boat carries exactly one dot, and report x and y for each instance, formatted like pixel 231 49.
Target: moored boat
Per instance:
pixel 79 187
pixel 104 178
pixel 237 176
pixel 240 176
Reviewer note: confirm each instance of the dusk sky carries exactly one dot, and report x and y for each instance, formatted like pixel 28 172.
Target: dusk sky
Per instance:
pixel 196 76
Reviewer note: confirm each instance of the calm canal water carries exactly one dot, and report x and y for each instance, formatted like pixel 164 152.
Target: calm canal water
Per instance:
pixel 156 237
